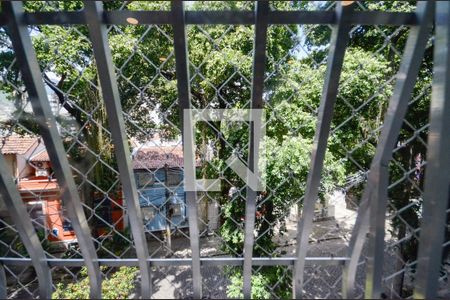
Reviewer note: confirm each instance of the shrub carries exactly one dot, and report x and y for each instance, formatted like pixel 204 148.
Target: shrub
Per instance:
pixel 262 282
pixel 119 286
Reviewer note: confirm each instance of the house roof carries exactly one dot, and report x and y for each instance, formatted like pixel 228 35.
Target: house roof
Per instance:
pixel 155 157
pixel 40 157
pixel 15 144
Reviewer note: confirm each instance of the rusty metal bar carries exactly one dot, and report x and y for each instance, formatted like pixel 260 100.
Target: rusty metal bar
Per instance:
pixel 219 17
pixel 184 94
pixel 259 64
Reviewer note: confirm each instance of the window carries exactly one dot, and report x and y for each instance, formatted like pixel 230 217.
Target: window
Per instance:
pixel 149 213
pixel 66 224
pixel 41 172
pixel 144 179
pixel 175 210
pixel 34 208
pixel 174 176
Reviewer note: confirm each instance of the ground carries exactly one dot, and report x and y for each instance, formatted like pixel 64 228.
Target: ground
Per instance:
pixel 330 237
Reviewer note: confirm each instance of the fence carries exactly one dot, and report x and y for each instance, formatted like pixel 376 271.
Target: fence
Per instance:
pixel 346 119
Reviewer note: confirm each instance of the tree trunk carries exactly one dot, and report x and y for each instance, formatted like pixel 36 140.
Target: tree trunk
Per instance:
pixel 400 264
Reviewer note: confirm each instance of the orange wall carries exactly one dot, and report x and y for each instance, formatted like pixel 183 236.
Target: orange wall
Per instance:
pixel 48 192
pixel 54 219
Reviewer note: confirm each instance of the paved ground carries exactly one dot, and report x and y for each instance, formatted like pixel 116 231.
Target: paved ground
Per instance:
pixel 329 238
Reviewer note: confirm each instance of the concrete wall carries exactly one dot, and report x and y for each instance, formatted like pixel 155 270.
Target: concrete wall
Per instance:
pixel 24 169
pixel 11 162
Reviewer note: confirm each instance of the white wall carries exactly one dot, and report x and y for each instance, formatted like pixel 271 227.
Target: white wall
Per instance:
pixel 23 168
pixel 10 161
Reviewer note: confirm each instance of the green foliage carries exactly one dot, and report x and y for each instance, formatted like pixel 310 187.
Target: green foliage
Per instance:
pixel 266 278
pixel 35 6
pixel 373 39
pixel 16 248
pixel 259 291
pixel 116 244
pixel 290 159
pixel 220 78
pixel 119 285
pixel 232 234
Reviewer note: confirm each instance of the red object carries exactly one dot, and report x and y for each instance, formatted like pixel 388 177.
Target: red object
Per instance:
pixel 47 193
pixel 116 217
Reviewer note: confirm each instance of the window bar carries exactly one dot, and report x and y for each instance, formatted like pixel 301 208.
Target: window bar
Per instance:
pixel 437 176
pixel 182 72
pixel 372 209
pixel 165 262
pixel 27 233
pixel 3 289
pixel 102 53
pixel 338 45
pixel 219 17
pixel 259 63
pixel 32 77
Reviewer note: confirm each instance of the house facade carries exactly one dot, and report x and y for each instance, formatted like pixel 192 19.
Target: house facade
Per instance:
pixel 18 152
pixel 158 170
pixel 29 164
pixel 159 179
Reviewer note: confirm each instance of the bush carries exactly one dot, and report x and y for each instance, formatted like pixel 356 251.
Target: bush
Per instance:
pixel 262 282
pixel 12 245
pixel 117 244
pixel 119 286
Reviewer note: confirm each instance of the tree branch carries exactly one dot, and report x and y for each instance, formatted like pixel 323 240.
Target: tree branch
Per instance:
pixel 56 88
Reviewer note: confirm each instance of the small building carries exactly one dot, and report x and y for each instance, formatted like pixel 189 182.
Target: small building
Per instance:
pixel 29 164
pixel 158 171
pixel 42 198
pixel 18 152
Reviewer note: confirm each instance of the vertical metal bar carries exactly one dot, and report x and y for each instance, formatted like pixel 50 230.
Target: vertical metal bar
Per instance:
pixel 102 53
pixel 259 65
pixel 26 58
pixel 182 71
pixel 338 45
pixel 3 288
pixel 437 175
pixel 19 215
pixel 372 209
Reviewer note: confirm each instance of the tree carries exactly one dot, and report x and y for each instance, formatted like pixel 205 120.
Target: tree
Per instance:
pixel 221 71
pixel 69 71
pixel 146 76
pixel 407 165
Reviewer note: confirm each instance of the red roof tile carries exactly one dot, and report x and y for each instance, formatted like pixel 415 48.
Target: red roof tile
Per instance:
pixel 15 144
pixel 155 157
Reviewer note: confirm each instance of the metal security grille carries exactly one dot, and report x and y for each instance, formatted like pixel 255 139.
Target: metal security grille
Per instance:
pixel 118 101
